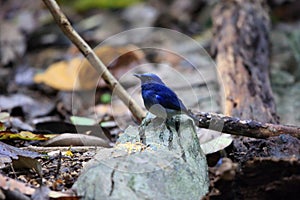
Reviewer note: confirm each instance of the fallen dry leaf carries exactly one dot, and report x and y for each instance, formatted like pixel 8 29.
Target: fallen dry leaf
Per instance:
pixel 15 152
pixel 7 183
pixel 68 139
pixel 31 106
pixel 10 184
pixel 21 158
pixel 78 74
pixel 212 141
pixel 24 135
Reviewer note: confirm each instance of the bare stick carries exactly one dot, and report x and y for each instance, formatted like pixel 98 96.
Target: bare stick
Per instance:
pixel 248 128
pixel 90 55
pixel 58 148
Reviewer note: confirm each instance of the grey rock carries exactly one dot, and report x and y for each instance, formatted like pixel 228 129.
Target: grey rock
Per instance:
pixel 170 165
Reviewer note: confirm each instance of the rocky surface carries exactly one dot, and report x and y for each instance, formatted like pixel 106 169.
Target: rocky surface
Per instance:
pixel 169 164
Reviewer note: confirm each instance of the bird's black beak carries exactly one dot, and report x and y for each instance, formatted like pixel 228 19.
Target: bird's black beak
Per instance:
pixel 137 75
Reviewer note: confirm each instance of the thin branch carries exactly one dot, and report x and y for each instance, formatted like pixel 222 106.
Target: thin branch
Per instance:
pixel 90 55
pixel 58 148
pixel 248 128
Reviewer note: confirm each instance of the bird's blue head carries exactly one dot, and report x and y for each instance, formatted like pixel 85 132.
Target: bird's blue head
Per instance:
pixel 149 78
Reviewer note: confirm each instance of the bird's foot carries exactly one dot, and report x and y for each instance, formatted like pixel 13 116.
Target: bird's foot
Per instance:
pixel 142 135
pixel 170 139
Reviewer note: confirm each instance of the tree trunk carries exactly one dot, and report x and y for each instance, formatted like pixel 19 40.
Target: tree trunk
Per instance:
pixel 241 46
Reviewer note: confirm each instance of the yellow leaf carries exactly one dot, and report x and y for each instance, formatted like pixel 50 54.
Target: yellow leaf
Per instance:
pixel 69 153
pixel 24 135
pixel 78 74
pixel 61 75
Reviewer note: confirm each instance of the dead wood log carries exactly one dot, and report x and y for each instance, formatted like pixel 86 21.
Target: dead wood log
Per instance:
pixel 241 46
pixel 248 128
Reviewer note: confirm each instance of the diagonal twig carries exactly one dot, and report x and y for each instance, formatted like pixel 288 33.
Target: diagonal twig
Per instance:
pixel 90 55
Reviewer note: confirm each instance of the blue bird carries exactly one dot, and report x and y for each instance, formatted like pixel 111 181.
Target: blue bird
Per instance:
pixel 158 98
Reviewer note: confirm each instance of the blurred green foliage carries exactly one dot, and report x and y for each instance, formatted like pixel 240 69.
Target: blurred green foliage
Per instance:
pixel 105 98
pixel 83 5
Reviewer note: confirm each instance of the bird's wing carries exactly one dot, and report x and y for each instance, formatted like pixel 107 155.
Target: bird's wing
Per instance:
pixel 161 94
